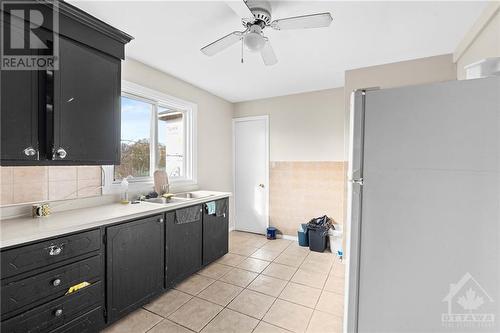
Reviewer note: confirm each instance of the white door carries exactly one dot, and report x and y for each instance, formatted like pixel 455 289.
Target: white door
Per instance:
pixel 251 174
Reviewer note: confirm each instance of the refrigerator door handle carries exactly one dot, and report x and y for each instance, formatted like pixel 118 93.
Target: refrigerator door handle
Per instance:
pixel 358 181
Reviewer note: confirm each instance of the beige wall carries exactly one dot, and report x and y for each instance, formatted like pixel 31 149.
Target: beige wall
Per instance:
pixel 482 41
pixel 306 153
pixel 303 127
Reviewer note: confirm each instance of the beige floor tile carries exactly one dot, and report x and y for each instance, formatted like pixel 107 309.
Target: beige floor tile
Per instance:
pixel 138 321
pixel 289 260
pixel 267 285
pixel 338 270
pixel 316 267
pixel 335 284
pixel 168 303
pixel 324 323
pixel 279 271
pixel 231 259
pixel 242 250
pixel 253 265
pixel 289 316
pixel 228 321
pixel 295 250
pixel 263 254
pixel 311 279
pixel 239 277
pixel 300 294
pixel 195 314
pixel 264 327
pixel 277 245
pixel 166 326
pixel 252 303
pixel 220 293
pixel 194 284
pixel 215 271
pixel 332 303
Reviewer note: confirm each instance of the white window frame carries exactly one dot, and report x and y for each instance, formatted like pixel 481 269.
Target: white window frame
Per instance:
pixel 158 99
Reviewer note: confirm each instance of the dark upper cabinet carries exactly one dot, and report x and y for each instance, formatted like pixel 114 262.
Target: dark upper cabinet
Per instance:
pixel 70 115
pixel 184 243
pixel 135 264
pixel 215 231
pixel 87 105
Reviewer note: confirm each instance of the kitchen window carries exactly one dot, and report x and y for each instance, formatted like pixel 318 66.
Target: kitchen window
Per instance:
pixel 158 132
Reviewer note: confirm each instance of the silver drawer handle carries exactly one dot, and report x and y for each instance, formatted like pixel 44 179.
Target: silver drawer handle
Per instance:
pixel 58 313
pixel 30 151
pixel 61 153
pixel 224 215
pixel 55 250
pixel 56 282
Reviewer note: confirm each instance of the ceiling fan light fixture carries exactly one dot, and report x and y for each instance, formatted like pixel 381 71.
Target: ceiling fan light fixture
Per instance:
pixel 254 40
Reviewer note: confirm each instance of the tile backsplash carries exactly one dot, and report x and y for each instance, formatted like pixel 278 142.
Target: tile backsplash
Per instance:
pixel 48 183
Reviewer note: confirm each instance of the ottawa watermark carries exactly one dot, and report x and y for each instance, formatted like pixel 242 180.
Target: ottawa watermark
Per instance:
pixel 29 35
pixel 469 305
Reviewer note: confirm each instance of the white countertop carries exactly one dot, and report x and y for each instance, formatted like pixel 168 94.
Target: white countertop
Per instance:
pixel 21 230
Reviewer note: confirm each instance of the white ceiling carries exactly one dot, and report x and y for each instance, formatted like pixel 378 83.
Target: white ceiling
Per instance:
pixel 169 34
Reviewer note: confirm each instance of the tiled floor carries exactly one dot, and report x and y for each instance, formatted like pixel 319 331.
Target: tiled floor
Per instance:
pixel 260 286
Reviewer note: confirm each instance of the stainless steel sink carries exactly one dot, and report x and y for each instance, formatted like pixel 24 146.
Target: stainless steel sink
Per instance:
pixel 165 201
pixel 192 195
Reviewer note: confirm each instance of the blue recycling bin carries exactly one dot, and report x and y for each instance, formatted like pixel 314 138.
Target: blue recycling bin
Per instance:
pixel 303 235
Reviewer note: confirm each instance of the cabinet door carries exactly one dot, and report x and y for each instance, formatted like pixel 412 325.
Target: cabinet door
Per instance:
pixel 87 105
pixel 19 112
pixel 184 243
pixel 215 232
pixel 134 264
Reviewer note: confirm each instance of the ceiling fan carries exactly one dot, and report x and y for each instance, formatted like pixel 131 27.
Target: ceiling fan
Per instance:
pixel 256 16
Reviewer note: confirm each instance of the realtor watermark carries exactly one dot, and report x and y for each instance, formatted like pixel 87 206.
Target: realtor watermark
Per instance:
pixel 469 305
pixel 29 35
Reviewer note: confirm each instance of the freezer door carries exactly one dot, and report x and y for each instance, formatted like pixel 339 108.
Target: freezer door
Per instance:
pixel 430 227
pixel 354 197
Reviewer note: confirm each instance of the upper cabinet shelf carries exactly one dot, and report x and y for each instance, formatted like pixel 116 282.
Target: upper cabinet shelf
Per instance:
pixel 70 114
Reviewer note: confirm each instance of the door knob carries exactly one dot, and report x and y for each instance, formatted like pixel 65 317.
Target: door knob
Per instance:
pixel 261 185
pixel 61 153
pixel 30 151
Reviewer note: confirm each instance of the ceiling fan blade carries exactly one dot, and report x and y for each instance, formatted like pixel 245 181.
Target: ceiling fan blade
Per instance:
pixel 241 8
pixel 222 43
pixel 268 54
pixel 320 20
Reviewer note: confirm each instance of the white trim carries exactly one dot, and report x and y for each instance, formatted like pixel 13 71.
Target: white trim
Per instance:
pixel 159 99
pixel 484 19
pixel 241 119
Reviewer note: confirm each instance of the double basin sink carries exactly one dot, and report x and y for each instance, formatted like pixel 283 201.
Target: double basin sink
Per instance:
pixel 181 197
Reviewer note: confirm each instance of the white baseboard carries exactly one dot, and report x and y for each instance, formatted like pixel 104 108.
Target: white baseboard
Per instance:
pixel 293 238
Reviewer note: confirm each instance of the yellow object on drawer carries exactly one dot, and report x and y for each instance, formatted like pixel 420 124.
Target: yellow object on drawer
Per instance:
pixel 77 287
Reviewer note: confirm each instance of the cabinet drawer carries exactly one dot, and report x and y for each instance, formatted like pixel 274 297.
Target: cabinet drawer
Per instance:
pixel 56 313
pixel 92 321
pixel 34 256
pixel 46 286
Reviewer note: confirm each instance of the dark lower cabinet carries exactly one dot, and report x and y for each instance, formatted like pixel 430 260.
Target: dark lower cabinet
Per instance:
pixel 135 264
pixel 184 243
pixel 215 231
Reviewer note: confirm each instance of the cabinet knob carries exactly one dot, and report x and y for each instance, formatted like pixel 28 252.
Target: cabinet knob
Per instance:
pixel 30 151
pixel 56 282
pixel 61 153
pixel 161 220
pixel 224 215
pixel 54 250
pixel 58 312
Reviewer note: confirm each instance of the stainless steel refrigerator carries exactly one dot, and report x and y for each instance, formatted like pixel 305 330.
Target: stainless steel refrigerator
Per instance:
pixel 424 209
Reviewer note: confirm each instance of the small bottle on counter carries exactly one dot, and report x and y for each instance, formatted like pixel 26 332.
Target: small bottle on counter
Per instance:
pixel 124 191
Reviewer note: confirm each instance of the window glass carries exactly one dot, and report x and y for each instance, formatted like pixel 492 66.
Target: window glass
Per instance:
pixel 135 138
pixel 171 142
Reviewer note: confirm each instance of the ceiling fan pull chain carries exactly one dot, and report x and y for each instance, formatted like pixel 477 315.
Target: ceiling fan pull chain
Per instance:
pixel 242 50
